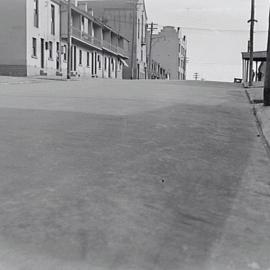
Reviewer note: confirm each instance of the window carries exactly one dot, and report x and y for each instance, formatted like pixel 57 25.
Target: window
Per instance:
pixel 36 13
pixel 50 50
pixel 105 64
pixel 65 52
pixel 52 19
pixel 34 47
pixel 58 54
pixel 139 28
pixel 112 62
pixel 142 55
pixel 83 25
pixel 142 27
pixel 99 62
pixel 88 59
pixel 80 57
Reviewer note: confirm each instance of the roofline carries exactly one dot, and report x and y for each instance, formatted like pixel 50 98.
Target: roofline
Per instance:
pixel 92 18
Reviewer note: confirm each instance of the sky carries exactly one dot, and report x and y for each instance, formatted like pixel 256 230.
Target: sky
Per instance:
pixel 213 51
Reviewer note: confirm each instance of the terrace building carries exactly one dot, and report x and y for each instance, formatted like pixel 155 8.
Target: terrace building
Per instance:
pixel 129 18
pixel 34 41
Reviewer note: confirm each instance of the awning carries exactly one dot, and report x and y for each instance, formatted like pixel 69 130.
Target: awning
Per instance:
pixel 124 62
pixel 257 56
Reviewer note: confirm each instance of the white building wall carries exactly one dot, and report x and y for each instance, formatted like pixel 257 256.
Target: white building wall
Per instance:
pixel 42 32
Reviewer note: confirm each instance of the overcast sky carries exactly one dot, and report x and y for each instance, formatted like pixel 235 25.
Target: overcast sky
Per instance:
pixel 215 54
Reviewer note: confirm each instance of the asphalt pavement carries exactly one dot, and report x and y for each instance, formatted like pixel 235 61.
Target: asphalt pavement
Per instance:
pixel 131 175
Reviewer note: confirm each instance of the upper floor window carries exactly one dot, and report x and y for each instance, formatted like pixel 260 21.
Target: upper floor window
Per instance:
pixel 52 19
pixel 139 28
pixel 36 13
pixel 142 27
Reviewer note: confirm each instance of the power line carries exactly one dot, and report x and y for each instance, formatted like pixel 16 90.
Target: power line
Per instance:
pixel 196 28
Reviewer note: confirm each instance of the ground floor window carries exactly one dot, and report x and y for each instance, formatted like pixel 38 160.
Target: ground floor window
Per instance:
pixel 80 57
pixel 34 47
pixel 99 62
pixel 50 50
pixel 112 64
pixel 65 52
pixel 88 59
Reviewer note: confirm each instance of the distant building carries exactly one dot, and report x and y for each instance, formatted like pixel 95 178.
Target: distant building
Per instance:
pixel 169 48
pixel 157 71
pixel 128 18
pixel 34 41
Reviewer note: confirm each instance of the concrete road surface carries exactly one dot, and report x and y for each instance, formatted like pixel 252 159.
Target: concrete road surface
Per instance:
pixel 120 175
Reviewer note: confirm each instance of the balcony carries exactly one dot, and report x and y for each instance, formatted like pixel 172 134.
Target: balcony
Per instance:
pixel 122 51
pixel 107 45
pixel 77 33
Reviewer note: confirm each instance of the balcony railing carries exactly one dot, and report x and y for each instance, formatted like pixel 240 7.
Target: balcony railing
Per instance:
pixel 122 51
pixel 86 37
pixel 109 46
pixel 96 42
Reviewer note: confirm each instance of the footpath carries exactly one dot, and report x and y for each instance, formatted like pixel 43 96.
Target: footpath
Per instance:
pixel 263 113
pixel 34 79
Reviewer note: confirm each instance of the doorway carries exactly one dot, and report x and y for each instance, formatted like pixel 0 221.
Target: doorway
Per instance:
pixel 42 53
pixel 74 58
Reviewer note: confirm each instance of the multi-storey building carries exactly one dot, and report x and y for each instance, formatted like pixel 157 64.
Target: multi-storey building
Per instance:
pixel 169 48
pixel 129 18
pixel 34 41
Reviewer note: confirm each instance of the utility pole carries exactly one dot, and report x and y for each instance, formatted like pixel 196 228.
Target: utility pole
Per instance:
pixel 251 51
pixel 133 40
pixel 266 92
pixel 152 28
pixel 69 40
pixel 196 76
pixel 150 50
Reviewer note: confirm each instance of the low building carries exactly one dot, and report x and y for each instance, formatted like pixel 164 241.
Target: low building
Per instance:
pixel 129 18
pixel 169 48
pixel 34 41
pixel 259 65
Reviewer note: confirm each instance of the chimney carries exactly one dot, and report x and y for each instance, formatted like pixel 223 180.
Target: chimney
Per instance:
pixel 82 6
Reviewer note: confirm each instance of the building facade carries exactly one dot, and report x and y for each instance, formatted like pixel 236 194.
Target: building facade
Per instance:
pixel 169 49
pixel 129 18
pixel 35 41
